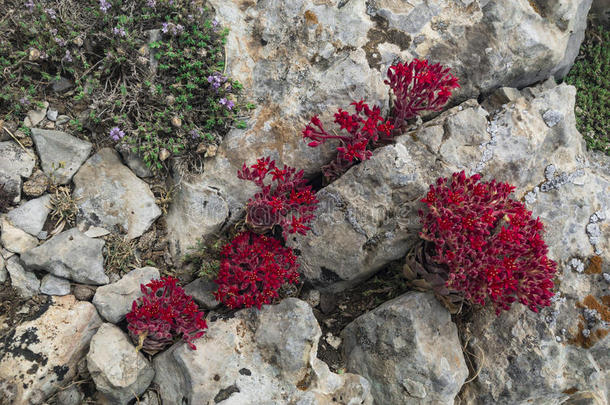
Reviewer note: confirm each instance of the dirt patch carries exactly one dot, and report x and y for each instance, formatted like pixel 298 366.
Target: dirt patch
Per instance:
pixel 336 311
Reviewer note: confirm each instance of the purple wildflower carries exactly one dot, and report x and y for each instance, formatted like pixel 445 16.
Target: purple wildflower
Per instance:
pixel 194 133
pixel 51 13
pixel 151 3
pixel 120 31
pixel 67 57
pixel 227 103
pixel 23 100
pixel 214 22
pixel 216 80
pixel 30 5
pixel 116 133
pixel 104 5
pixel 165 28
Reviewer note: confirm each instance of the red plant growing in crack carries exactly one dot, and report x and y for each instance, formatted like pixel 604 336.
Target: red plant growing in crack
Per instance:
pixel 417 86
pixel 162 313
pixel 363 128
pixel 286 201
pixel 253 269
pixel 491 245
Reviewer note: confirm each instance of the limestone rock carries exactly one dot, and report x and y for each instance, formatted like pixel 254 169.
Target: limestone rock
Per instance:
pixel 113 301
pixel 15 239
pixel 303 58
pixel 201 290
pixel 71 255
pixel 409 350
pixel 24 281
pixel 119 371
pixel 70 396
pixel 266 356
pixel 195 211
pixel 15 164
pixel 52 285
pixel 110 195
pixel 36 185
pixel 31 215
pixel 61 155
pixel 41 354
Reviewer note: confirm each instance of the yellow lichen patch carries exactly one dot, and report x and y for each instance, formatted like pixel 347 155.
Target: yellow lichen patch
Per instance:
pixel 603 309
pixel 311 17
pixel 595 265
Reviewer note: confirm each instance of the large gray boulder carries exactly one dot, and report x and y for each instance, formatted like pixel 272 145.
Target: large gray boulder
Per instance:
pixel 368 217
pixel 257 357
pixel 304 57
pixel 119 371
pixel 71 255
pixel 40 355
pixel 409 350
pixel 61 155
pixel 113 301
pixel 108 195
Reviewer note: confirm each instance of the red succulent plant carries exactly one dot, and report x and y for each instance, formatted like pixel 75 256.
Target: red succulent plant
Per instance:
pixel 162 313
pixel 363 128
pixel 418 86
pixel 286 200
pixel 252 270
pixel 492 247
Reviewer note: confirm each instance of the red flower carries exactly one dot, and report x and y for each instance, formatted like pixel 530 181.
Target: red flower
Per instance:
pixel 491 245
pixel 252 270
pixel 418 86
pixel 287 195
pixel 162 313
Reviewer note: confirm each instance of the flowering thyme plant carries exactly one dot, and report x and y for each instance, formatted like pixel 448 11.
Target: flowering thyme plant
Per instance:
pixel 252 269
pixel 163 312
pixel 363 128
pixel 286 201
pixel 490 244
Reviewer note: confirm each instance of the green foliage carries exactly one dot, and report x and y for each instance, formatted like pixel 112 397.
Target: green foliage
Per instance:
pixel 591 77
pixel 143 69
pixel 205 258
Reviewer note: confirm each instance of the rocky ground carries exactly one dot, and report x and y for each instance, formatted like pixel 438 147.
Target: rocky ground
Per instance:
pixel 354 332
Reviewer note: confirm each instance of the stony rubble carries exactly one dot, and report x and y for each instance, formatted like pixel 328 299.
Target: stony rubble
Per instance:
pixel 120 372
pixel 69 254
pixel 409 350
pixel 109 195
pixel 31 215
pixel 61 154
pixel 266 356
pixel 40 355
pixel 113 301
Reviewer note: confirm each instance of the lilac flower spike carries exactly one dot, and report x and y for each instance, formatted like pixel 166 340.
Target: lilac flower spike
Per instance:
pixel 116 133
pixel 104 6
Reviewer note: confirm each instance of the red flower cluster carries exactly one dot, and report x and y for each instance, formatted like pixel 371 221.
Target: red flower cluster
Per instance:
pixel 363 128
pixel 492 246
pixel 418 86
pixel 253 269
pixel 290 204
pixel 164 311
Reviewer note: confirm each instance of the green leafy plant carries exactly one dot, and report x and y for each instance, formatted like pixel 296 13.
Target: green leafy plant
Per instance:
pixel 590 77
pixel 154 69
